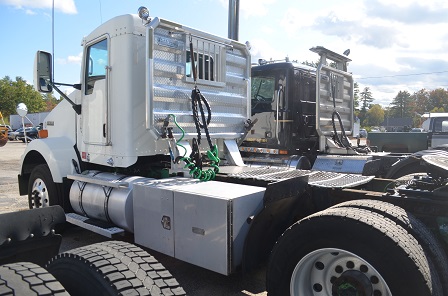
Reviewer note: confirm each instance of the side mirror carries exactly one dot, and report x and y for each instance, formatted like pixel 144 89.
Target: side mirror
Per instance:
pixel 42 72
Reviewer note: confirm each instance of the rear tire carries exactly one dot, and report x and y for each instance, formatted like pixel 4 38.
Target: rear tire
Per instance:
pixel 112 268
pixel 432 247
pixel 26 278
pixel 375 254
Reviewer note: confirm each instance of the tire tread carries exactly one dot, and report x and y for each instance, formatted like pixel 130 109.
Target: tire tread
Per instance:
pixel 25 277
pixel 127 269
pixel 303 232
pixel 414 227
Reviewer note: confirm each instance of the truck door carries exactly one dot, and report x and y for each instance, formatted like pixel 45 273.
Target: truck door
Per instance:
pixel 268 106
pixel 95 100
pixel 440 131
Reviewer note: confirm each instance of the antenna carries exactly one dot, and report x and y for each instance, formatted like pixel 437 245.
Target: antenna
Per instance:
pixel 101 12
pixel 52 41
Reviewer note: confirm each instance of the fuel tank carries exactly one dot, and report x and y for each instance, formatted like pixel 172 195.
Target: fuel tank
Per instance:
pixel 109 204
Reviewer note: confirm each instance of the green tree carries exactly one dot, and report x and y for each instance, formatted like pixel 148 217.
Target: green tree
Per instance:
pixel 401 105
pixel 356 96
pixel 375 115
pixel 19 91
pixel 50 101
pixel 421 101
pixel 311 64
pixel 366 99
pixel 438 98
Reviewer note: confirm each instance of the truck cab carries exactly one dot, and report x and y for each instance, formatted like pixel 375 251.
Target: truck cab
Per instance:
pixel 283 97
pixel 133 101
pixel 436 124
pixel 300 113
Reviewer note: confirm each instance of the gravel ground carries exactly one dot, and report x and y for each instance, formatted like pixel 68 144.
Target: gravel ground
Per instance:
pixel 10 200
pixel 195 280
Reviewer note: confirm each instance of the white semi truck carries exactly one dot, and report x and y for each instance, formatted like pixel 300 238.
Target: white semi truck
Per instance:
pixel 145 149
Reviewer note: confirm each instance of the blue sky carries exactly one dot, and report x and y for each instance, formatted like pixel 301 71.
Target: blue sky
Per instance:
pixel 403 43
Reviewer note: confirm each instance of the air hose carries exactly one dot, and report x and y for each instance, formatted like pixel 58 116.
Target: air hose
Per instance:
pixel 194 167
pixel 194 162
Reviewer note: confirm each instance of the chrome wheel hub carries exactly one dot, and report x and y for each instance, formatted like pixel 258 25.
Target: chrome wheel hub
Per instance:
pixel 39 194
pixel 336 272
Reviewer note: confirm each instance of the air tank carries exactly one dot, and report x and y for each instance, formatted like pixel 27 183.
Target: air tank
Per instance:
pixel 108 204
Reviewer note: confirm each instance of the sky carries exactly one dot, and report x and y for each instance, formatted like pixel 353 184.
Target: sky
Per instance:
pixel 394 45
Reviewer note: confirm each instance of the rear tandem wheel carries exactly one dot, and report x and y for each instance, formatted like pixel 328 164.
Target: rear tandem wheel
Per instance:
pixel 432 247
pixel 349 251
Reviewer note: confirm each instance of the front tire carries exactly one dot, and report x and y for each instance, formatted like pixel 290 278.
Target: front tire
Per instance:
pixel 347 250
pixel 42 191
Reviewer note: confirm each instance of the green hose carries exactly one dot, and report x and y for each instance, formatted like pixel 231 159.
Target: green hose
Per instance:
pixel 197 172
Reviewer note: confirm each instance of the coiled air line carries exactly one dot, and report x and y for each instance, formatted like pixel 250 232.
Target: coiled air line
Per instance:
pixel 194 162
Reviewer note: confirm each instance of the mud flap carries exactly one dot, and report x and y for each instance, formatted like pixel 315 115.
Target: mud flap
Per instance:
pixel 30 235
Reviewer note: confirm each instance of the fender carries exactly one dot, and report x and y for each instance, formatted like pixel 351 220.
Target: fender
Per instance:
pixel 285 202
pixel 412 163
pixel 56 152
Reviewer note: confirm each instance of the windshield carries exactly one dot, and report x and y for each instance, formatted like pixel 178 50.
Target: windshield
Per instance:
pixel 262 91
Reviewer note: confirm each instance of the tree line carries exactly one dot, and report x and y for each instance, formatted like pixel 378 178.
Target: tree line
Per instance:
pixel 13 92
pixel 403 105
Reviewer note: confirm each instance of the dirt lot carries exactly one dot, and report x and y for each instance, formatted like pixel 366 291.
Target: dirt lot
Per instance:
pixel 9 169
pixel 195 280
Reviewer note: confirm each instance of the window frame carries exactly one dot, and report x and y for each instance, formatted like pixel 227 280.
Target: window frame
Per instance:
pixel 89 78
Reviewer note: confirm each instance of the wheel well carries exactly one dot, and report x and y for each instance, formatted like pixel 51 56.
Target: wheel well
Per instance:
pixel 268 226
pixel 408 166
pixel 31 160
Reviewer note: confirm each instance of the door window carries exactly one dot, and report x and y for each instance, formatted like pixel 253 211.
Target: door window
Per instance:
pixel 97 60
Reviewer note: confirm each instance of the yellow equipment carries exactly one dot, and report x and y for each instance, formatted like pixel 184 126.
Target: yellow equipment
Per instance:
pixel 3 132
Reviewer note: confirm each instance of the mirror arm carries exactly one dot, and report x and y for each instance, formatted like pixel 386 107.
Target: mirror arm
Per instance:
pixel 76 86
pixel 75 107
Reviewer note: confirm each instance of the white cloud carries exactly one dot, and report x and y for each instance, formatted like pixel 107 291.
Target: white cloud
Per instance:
pixel 263 49
pixel 65 6
pixel 75 59
pixel 295 20
pixel 70 60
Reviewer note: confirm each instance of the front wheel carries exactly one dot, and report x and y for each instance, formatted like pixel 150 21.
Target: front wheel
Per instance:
pixel 42 191
pixel 348 251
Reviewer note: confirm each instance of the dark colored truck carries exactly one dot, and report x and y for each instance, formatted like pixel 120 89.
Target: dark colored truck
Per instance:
pixel 434 134
pixel 302 117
